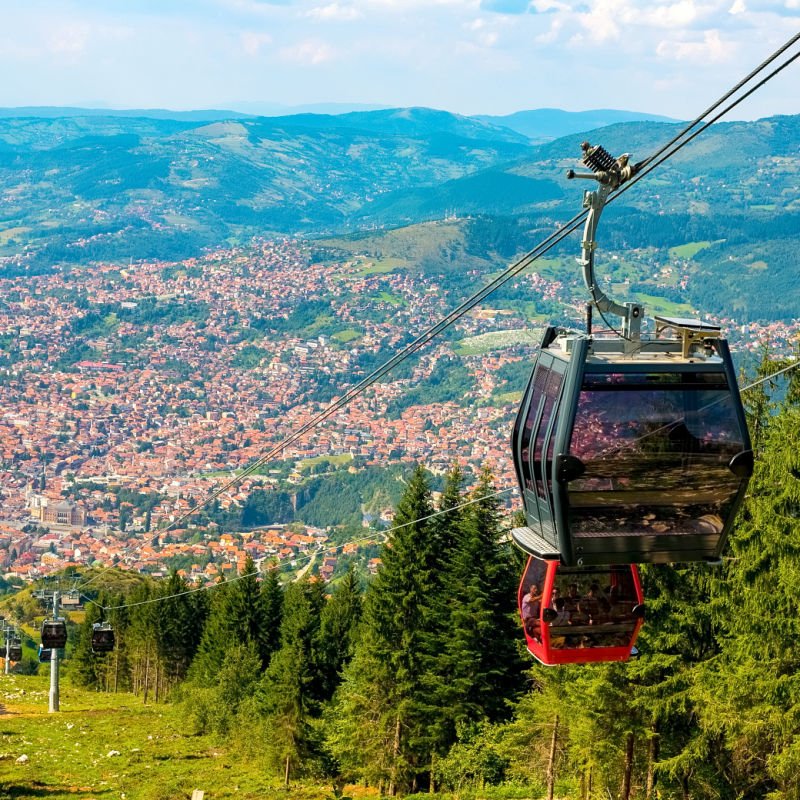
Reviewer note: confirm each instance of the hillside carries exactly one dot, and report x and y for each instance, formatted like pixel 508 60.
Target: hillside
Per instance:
pixel 545 124
pixel 83 189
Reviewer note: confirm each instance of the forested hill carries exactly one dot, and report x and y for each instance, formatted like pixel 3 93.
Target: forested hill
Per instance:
pixel 85 188
pixel 419 682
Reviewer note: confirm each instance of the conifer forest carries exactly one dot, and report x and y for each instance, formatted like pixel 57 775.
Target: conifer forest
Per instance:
pixel 417 680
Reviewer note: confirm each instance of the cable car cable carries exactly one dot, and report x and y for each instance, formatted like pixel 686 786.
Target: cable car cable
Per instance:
pixel 545 246
pixel 321 551
pixel 334 548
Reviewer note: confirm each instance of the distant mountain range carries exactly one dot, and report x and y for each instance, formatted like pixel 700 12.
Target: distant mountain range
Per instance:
pixel 545 124
pixel 539 125
pixel 108 186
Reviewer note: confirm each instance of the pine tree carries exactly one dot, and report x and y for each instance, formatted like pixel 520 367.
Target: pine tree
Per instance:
pixel 750 694
pixel 479 666
pixel 181 617
pixel 83 663
pixel 286 695
pixel 272 609
pixel 236 616
pixel 398 646
pixel 338 631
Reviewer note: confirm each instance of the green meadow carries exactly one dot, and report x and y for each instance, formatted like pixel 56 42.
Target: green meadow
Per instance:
pixel 101 746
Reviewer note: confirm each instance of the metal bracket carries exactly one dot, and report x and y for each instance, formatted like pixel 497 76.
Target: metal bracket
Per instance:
pixel 610 173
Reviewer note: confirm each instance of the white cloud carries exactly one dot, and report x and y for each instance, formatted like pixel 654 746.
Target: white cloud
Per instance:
pixel 738 7
pixel 600 20
pixel 68 39
pixel 308 53
pixel 253 42
pixel 552 34
pixel 405 5
pixel 675 15
pixel 543 6
pixel 710 49
pixel 333 12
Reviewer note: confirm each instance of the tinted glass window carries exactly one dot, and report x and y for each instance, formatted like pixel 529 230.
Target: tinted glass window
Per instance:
pixel 656 448
pixel 540 379
pixel 594 608
pixel 551 391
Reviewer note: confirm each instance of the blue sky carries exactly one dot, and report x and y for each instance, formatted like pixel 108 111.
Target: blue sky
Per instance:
pixel 468 56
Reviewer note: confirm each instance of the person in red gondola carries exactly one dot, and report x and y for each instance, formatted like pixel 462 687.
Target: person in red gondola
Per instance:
pixel 573 598
pixel 531 611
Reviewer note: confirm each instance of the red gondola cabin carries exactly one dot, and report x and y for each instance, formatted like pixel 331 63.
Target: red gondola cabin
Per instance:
pixel 580 615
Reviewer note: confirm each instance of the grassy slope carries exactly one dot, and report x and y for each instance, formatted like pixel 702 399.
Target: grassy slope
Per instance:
pixel 159 760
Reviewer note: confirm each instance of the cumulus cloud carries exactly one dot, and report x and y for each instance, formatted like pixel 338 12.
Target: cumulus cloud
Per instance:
pixel 253 42
pixel 333 12
pixel 405 5
pixel 307 53
pixel 711 49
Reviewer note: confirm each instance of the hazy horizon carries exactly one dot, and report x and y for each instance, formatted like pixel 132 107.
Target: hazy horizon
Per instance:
pixel 492 57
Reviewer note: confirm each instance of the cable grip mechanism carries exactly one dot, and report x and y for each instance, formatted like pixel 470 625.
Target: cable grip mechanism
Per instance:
pixel 610 173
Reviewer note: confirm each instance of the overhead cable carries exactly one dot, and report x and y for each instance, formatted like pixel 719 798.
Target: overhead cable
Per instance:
pixel 653 161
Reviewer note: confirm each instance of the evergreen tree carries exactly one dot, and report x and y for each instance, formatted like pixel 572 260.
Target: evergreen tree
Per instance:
pixel 272 609
pixel 750 695
pixel 181 617
pixel 338 631
pixel 397 650
pixel 447 526
pixel 478 668
pixel 236 616
pixel 287 696
pixel 83 663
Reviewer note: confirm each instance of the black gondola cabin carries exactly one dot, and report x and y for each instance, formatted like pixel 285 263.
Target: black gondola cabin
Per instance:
pixel 580 615
pixel 45 654
pixel 15 650
pixel 627 457
pixel 54 633
pixel 102 638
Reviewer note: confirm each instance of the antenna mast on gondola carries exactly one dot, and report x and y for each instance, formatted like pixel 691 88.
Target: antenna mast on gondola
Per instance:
pixel 610 173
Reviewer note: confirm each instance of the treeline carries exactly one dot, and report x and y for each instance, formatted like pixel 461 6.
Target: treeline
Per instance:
pixel 419 683
pixel 372 684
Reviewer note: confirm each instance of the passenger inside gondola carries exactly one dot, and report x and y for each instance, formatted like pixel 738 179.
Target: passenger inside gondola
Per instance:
pixel 531 611
pixel 593 613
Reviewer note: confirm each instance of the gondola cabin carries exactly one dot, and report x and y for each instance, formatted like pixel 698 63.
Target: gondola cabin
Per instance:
pixel 103 639
pixel 54 633
pixel 45 654
pixel 580 615
pixel 631 454
pixel 15 650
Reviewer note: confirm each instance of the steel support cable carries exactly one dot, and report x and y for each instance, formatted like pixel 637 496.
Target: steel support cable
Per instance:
pixel 794 39
pixel 321 551
pixel 510 272
pixel 334 548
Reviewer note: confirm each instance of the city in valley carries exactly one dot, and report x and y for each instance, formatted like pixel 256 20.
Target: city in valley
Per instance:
pixel 129 394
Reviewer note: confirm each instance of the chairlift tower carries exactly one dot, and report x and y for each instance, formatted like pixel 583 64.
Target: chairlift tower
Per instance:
pixel 54 689
pixel 45 596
